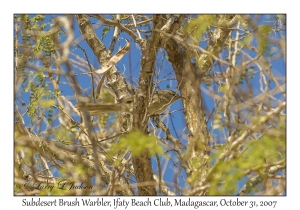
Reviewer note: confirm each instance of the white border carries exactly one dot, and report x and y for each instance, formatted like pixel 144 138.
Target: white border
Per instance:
pixel 8 8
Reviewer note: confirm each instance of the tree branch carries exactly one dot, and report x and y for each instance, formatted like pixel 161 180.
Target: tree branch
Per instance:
pixel 120 26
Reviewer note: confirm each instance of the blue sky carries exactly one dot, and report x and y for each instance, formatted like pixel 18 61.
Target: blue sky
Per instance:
pixel 133 57
pixel 220 6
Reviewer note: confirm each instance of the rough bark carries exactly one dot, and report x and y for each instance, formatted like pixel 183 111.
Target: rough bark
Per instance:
pixel 142 164
pixel 115 80
pixel 189 77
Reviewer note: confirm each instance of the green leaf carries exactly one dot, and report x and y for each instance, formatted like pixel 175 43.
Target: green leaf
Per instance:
pixel 246 41
pixel 137 143
pixel 223 88
pixel 104 32
pixel 196 27
pixel 47 103
pixel 262 38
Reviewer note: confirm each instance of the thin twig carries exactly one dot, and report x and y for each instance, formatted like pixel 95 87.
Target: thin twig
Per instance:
pixel 137 30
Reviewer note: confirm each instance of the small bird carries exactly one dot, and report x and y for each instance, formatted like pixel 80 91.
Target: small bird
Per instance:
pixel 160 101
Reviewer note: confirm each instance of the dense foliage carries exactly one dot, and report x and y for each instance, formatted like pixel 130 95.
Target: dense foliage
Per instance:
pixel 227 136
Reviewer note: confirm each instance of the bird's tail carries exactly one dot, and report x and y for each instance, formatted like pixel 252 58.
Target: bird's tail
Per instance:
pixel 98 108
